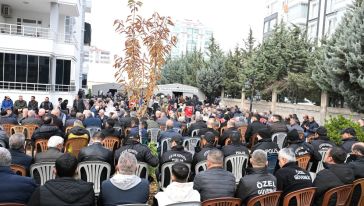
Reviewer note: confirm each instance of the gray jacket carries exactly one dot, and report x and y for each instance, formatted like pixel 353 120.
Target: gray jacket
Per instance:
pixel 214 183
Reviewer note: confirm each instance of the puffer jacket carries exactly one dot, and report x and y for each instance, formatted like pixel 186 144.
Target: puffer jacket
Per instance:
pixel 141 152
pixel 214 183
pixel 257 182
pixel 78 132
pixel 177 192
pixel 64 191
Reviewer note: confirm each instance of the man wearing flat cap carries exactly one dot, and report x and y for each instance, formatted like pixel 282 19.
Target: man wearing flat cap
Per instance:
pixel 321 140
pixel 300 146
pixel 348 138
pixel 177 152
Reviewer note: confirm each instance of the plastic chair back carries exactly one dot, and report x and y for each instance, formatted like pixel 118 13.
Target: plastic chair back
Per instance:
pixel 222 202
pixel 185 204
pixel 153 134
pixel 238 165
pixel 242 131
pixel 201 166
pixel 279 138
pixel 222 130
pixel 7 128
pixel 320 165
pixel 18 130
pixel 45 171
pixel 303 161
pixel 18 169
pixel 166 172
pixel 40 145
pixel 93 130
pixel 269 199
pixel 111 143
pixel 30 130
pixel 190 143
pixel 165 145
pixel 342 195
pixel 68 129
pixel 74 145
pixel 93 170
pixel 304 196
pixel 358 186
pixel 195 132
pixel 11 204
pixel 142 170
pixel 272 162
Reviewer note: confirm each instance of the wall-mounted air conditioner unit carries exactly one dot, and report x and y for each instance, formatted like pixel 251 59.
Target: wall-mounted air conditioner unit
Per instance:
pixel 5 11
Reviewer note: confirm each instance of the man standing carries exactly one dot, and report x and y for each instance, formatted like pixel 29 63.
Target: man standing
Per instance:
pixel 348 138
pixel 78 104
pixel 64 190
pixel 215 182
pixel 19 105
pixel 258 181
pixel 32 104
pixel 46 105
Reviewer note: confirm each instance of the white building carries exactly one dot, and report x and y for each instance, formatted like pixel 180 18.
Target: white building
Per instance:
pixel 191 35
pixel 324 16
pixel 291 12
pixel 41 42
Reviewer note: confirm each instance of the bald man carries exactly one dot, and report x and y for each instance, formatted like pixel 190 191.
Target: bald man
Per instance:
pixel 170 132
pixel 210 128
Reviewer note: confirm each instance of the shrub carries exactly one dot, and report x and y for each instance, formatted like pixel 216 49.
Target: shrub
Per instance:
pixel 336 124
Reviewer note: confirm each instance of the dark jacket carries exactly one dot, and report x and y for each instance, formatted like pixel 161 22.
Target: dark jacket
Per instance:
pixel 46 131
pixel 201 155
pixel 257 182
pixel 15 188
pixel 358 167
pixel 8 120
pixel 252 129
pixel 169 134
pixel 197 125
pixel 70 122
pixel 78 105
pixel 226 134
pixel 92 122
pixel 125 122
pixel 33 105
pixel 51 155
pixel 31 120
pixel 311 127
pixel 4 139
pixel 347 143
pixel 322 143
pixel 267 145
pixel 20 158
pixel 111 195
pixel 335 175
pixel 176 154
pixel 233 149
pixel 111 132
pixel 292 178
pixel 301 148
pixel 96 152
pixel 141 152
pixel 214 183
pixel 63 191
pixel 203 131
pixel 278 127
pixel 46 105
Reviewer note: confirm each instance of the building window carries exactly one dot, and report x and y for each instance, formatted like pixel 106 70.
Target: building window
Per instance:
pixel 32 69
pixel 297 11
pixel 312 31
pixel 331 26
pixel 314 10
pixel 9 68
pixel 21 68
pixel 1 66
pixel 330 6
pixel 63 72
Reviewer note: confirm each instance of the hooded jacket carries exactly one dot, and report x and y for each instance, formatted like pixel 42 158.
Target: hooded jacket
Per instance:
pixel 63 191
pixel 177 192
pixel 78 131
pixel 335 175
pixel 124 189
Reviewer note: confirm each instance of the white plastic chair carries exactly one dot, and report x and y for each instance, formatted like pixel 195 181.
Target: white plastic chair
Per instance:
pixel 201 166
pixel 142 166
pixel 45 171
pixel 93 130
pixel 153 133
pixel 279 138
pixel 320 165
pixel 165 145
pixel 167 168
pixel 185 204
pixel 239 163
pixel 190 143
pixel 93 170
pixel 195 132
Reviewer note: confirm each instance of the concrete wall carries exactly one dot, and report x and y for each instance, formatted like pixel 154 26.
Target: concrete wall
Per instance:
pixel 285 109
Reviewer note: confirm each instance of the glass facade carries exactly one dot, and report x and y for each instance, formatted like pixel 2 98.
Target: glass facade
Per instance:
pixel 63 72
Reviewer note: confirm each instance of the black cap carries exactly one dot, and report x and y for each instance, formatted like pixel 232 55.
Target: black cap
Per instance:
pixel 349 130
pixel 321 131
pixel 265 133
pixel 177 139
pixel 209 137
pixel 293 136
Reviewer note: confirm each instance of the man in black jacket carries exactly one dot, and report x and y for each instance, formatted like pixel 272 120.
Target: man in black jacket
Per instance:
pixel 46 105
pixel 177 152
pixel 357 163
pixel 207 143
pixel 141 152
pixel 96 152
pixel 300 147
pixel 336 173
pixel 277 125
pixel 18 156
pixel 210 128
pixel 215 182
pixel 321 140
pixel 265 142
pixel 199 124
pixel 253 127
pixel 64 190
pixel 258 181
pixel 110 130
pixel 290 177
pixel 55 147
pixel 227 132
pixel 236 147
pixel 46 130
pixel 348 139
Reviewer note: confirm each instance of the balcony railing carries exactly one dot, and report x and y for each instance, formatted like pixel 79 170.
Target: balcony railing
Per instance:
pixel 36 87
pixel 36 32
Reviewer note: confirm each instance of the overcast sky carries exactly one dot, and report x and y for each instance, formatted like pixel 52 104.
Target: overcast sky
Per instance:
pixel 229 19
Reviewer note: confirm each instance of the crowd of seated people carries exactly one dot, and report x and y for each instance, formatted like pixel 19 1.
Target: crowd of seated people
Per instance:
pixel 221 133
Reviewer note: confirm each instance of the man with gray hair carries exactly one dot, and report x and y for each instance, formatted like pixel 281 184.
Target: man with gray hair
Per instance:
pixel 31 119
pixel 215 182
pixel 124 187
pixel 291 177
pixel 199 124
pixel 13 188
pixel 257 181
pixel 55 147
pixel 16 145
